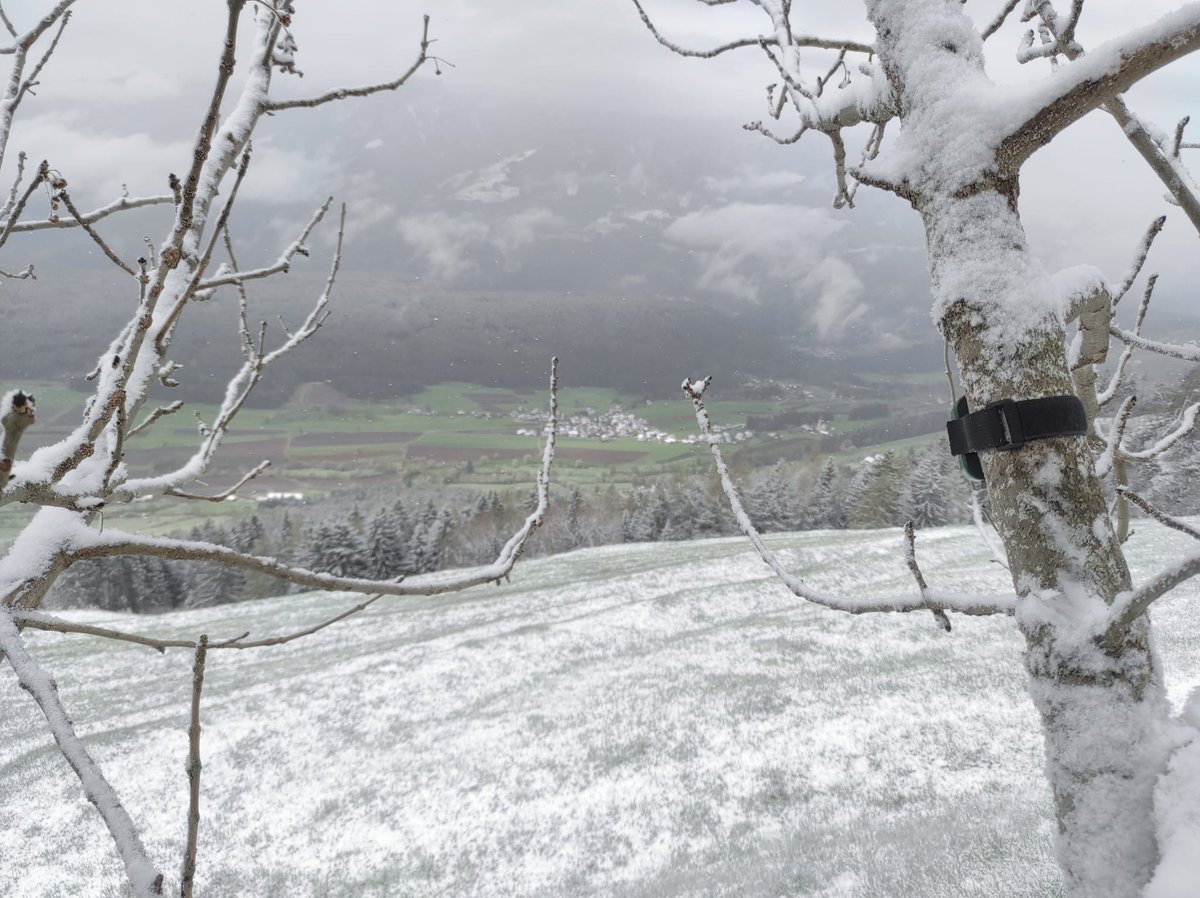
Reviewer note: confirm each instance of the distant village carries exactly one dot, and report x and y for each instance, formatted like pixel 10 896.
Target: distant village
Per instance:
pixel 616 423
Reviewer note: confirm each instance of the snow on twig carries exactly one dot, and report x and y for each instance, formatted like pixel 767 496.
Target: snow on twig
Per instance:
pixel 1188 352
pixel 229 493
pixel 1112 443
pixel 1131 605
pixel 1139 258
pixel 927 600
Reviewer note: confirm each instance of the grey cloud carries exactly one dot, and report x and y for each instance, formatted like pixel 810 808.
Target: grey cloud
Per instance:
pixel 740 244
pixel 490 184
pixel 835 291
pixel 755 181
pixel 454 246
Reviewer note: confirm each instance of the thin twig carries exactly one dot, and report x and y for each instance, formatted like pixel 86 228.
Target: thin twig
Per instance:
pixel 160 412
pixel 910 558
pixel 37 620
pixel 95 235
pixel 1158 515
pixel 963 604
pixel 193 772
pixel 229 493
pixel 29 82
pixel 345 92
pixel 1139 258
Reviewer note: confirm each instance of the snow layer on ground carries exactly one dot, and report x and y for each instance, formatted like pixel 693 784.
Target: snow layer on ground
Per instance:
pixel 658 720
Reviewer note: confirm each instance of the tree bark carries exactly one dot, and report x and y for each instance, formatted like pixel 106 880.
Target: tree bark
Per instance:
pixel 1104 712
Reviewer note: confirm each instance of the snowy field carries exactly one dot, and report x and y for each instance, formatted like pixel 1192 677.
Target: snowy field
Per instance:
pixel 657 720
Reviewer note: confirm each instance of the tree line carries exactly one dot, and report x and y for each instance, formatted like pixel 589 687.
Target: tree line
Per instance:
pixel 416 532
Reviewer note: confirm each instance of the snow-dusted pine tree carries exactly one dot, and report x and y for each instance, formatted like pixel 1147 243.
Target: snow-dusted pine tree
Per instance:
pixel 955 152
pixel 924 499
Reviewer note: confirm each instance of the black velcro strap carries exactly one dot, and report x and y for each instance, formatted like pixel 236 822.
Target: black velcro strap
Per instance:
pixel 1010 424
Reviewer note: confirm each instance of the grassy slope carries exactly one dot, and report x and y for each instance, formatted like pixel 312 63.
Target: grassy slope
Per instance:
pixel 629 721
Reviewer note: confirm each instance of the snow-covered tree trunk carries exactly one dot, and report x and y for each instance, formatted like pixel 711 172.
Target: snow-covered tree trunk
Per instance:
pixel 957 160
pixel 1103 709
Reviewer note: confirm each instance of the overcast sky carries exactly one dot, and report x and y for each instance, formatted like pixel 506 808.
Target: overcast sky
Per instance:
pixel 562 148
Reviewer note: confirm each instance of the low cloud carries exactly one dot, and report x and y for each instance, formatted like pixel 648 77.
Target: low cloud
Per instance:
pixel 444 242
pixel 453 247
pixel 96 164
pixel 746 181
pixel 489 184
pixel 834 292
pixel 742 247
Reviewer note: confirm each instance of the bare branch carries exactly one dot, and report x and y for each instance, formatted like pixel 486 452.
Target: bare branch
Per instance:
pixel 25 274
pixel 11 223
pixel 229 493
pixel 7 23
pixel 1131 605
pixel 119 205
pixel 930 601
pixel 6 212
pixel 1157 514
pixel 1112 447
pixel 346 92
pixel 37 620
pixel 783 141
pixel 115 543
pixel 1170 169
pixel 91 232
pixel 282 264
pixel 1186 426
pixel 17 88
pixel 34 680
pixel 31 81
pixel 910 558
pixel 193 773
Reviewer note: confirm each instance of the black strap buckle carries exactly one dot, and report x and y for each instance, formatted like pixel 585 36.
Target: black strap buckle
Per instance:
pixel 1008 424
pixel 1010 421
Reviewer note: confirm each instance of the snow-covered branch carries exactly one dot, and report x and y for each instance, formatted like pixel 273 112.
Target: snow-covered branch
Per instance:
pixel 18 86
pixel 866 97
pixel 1095 78
pixel 1131 605
pixel 114 543
pixel 1188 352
pixel 925 600
pixel 146 880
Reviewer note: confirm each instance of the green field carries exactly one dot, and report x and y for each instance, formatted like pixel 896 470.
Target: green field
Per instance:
pixel 453 434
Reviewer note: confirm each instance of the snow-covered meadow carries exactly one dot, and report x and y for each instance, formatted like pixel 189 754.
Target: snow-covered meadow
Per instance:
pixel 652 720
